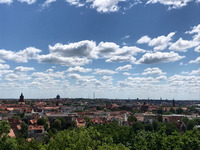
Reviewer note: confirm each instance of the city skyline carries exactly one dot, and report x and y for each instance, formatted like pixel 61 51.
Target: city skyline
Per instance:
pixel 117 49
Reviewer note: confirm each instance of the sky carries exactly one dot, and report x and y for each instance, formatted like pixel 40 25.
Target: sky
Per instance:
pixel 116 48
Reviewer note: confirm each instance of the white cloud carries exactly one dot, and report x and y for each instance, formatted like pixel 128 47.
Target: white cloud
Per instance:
pixel 151 71
pixel 21 56
pixel 144 39
pixel 27 1
pixel 114 53
pixel 107 48
pixel 172 4
pixel 195 72
pixel 105 6
pixel 124 68
pixel 6 1
pixel 121 59
pixel 159 57
pixel 79 69
pixel 79 49
pixel 104 72
pixel 126 37
pixel 182 45
pixel 74 76
pixel 126 73
pixel 161 78
pixel 4 66
pixel 75 2
pixel 195 29
pixel 197 49
pixel 16 77
pixel 47 3
pixel 197 60
pixel 65 61
pixel 23 69
pixel 47 77
pixel 161 42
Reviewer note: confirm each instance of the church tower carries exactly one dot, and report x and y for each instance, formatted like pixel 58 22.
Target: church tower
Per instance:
pixel 21 98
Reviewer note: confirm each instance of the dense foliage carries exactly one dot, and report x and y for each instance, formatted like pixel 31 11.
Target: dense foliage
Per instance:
pixel 156 136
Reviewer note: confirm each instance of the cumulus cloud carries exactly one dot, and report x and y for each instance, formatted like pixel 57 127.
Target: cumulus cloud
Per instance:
pixel 122 59
pixel 126 73
pixel 79 69
pixel 124 68
pixel 159 57
pixel 65 61
pixel 21 56
pixel 6 1
pixel 144 39
pixel 28 1
pixel 195 72
pixel 153 71
pixel 107 47
pixel 195 29
pixel 4 66
pixel 105 6
pixel 104 72
pixel 16 77
pixel 197 49
pixel 172 4
pixel 197 60
pixel 79 49
pixel 114 53
pixel 23 69
pixel 182 45
pixel 159 43
pixel 161 78
pixel 47 77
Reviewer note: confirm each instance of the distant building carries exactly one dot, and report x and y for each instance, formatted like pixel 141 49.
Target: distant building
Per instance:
pixel 58 97
pixel 173 103
pixel 21 98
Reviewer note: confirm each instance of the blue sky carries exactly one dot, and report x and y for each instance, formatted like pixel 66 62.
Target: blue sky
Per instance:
pixel 115 48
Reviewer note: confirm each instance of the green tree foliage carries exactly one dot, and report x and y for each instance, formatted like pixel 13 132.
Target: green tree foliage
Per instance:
pixel 132 118
pixel 6 143
pixel 172 110
pixel 179 110
pixel 57 124
pixel 24 130
pixel 185 120
pixel 160 118
pixel 190 124
pixel 4 128
pixel 137 126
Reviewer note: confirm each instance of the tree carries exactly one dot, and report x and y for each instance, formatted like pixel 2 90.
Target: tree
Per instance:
pixel 6 143
pixel 148 127
pixel 57 124
pixel 185 120
pixel 137 126
pixel 172 110
pixel 160 111
pixel 24 130
pixel 170 128
pixel 190 125
pixel 132 119
pixel 179 110
pixel 41 121
pixel 160 118
pixel 4 128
